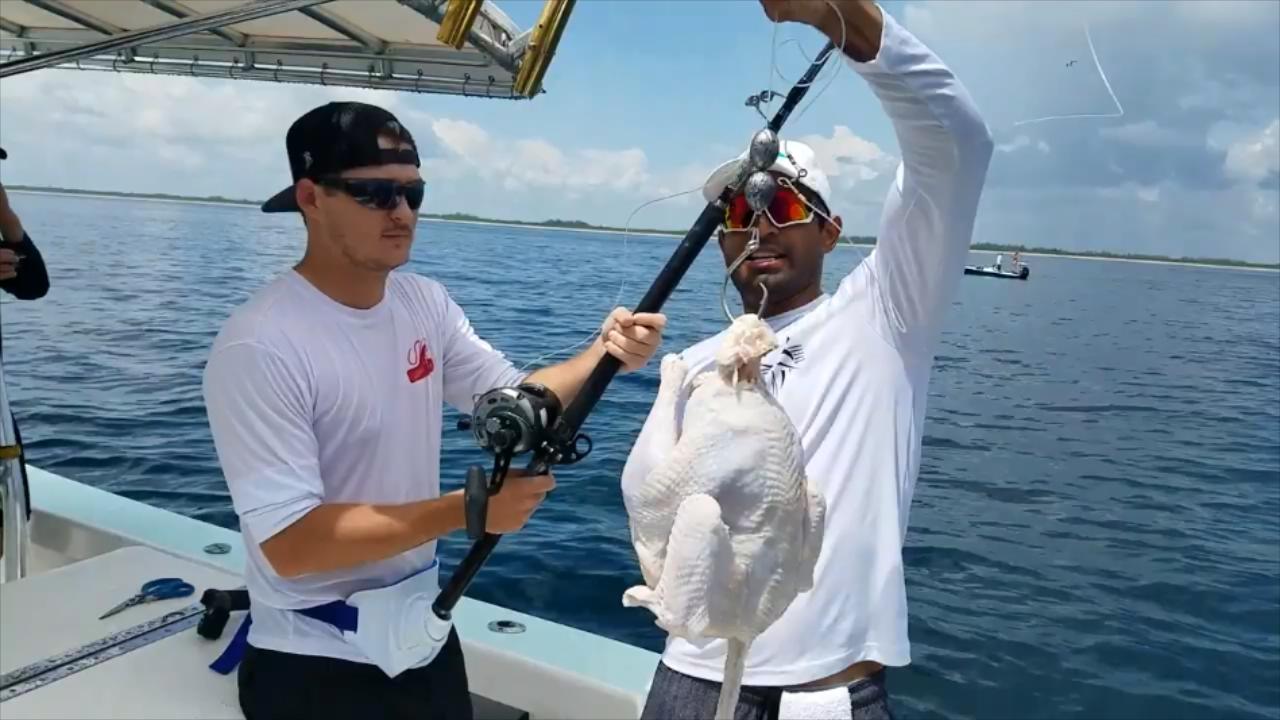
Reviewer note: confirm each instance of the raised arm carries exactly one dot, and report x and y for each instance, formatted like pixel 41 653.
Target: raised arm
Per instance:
pixel 928 218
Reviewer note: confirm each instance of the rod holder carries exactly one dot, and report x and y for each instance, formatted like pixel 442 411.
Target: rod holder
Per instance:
pixel 543 41
pixel 458 19
pixel 17 533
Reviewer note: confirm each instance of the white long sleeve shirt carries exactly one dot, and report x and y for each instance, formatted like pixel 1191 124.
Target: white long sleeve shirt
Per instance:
pixel 852 371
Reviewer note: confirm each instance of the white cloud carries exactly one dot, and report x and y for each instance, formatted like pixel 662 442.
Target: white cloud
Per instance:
pixel 535 162
pixel 1266 207
pixel 1020 142
pixel 849 157
pixel 144 133
pixel 859 171
pixel 1146 133
pixel 1255 158
pixel 1164 219
pixel 1131 190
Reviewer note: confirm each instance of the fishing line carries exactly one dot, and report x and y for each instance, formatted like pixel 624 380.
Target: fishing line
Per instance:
pixel 1094 54
pixel 626 231
pixel 844 38
pixel 774 70
pixel 753 243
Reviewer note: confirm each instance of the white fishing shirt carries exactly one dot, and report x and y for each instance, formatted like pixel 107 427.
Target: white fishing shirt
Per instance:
pixel 311 401
pixel 852 371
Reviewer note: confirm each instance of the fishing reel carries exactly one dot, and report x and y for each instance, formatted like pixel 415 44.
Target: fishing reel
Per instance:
pixel 507 422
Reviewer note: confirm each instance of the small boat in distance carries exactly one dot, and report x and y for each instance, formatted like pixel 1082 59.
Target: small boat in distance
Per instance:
pixel 991 271
pixel 1017 271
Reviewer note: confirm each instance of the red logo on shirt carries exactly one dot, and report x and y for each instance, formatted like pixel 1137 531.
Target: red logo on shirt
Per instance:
pixel 421 364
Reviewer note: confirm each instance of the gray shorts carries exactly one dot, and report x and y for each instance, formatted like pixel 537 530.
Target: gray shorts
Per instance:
pixel 676 696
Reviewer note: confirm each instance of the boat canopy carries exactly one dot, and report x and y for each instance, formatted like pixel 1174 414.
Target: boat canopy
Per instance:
pixel 456 47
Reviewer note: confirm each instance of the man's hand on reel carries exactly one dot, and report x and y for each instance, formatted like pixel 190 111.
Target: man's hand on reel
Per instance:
pixel 515 503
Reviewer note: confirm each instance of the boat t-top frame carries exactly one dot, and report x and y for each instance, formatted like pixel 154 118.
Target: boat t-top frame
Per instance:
pixel 454 47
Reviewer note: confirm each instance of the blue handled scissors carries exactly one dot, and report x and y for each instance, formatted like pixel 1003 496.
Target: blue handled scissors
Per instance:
pixel 158 589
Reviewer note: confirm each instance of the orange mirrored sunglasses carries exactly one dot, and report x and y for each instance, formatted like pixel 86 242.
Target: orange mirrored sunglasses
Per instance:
pixel 788 208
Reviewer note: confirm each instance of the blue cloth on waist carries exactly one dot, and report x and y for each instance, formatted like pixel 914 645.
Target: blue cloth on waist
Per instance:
pixel 337 613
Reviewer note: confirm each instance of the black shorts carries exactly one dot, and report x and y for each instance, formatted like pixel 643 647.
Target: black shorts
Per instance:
pixel 276 685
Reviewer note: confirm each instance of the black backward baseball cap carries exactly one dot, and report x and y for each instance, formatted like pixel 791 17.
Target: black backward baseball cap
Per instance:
pixel 339 136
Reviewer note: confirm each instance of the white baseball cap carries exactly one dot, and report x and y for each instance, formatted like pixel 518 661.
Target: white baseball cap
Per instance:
pixel 805 159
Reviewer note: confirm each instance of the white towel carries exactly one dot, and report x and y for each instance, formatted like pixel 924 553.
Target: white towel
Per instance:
pixel 830 704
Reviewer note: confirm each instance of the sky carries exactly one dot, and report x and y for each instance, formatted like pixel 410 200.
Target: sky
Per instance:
pixel 645 97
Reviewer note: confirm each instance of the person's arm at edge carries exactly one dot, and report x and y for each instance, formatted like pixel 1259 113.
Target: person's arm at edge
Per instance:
pixel 32 280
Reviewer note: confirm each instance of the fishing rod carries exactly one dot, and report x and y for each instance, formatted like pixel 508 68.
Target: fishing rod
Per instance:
pixel 510 421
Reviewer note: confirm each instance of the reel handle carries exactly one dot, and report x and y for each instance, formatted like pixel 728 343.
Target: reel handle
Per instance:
pixel 476 501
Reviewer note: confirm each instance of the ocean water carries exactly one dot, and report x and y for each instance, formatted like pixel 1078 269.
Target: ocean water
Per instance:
pixel 1096 529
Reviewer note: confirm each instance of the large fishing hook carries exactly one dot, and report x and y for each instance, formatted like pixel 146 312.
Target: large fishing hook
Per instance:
pixel 752 245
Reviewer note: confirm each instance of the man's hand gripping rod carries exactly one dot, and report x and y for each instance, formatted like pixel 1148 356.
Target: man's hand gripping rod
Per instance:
pixel 562 436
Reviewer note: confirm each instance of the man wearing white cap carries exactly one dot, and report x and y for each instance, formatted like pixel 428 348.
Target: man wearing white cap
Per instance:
pixel 852 372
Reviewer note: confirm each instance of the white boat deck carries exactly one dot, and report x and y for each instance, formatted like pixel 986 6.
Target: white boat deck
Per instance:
pixel 91 549
pixel 56 611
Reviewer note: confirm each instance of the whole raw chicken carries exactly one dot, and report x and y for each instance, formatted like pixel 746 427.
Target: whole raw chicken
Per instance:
pixel 726 527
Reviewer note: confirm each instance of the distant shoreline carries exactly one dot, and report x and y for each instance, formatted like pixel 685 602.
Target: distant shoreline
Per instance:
pixel 579 226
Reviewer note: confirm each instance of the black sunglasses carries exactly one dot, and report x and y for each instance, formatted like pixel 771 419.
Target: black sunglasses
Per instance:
pixel 378 193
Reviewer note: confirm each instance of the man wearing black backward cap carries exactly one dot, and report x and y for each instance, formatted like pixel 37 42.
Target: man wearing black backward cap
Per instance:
pixel 22 275
pixel 325 394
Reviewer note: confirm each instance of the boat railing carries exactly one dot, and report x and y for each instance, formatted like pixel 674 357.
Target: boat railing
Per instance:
pixel 17 536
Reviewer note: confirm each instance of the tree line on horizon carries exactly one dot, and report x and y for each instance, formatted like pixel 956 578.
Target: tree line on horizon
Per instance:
pixel 581 225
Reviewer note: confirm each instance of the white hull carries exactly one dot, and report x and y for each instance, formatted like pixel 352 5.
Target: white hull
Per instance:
pixel 89 549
